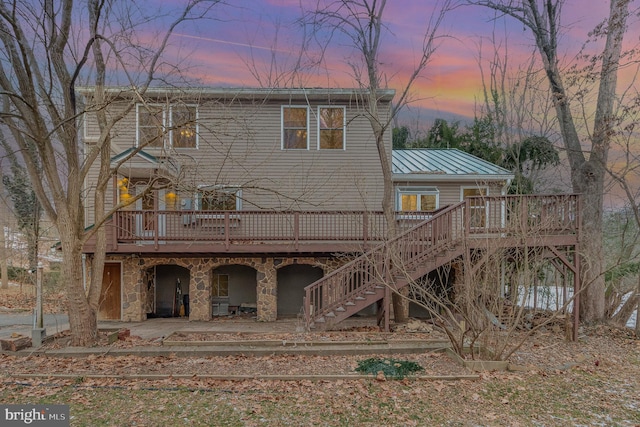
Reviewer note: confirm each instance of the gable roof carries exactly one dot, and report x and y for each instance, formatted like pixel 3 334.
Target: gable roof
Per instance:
pixel 136 163
pixel 142 154
pixel 444 164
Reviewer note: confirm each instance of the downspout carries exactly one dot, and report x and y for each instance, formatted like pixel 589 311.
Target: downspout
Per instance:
pixel 503 214
pixel 84 272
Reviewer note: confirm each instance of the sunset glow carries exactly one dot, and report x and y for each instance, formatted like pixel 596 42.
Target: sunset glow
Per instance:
pixel 263 38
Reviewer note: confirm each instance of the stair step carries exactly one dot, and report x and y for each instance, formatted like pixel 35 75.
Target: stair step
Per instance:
pixel 330 314
pixel 359 298
pixel 320 320
pixel 369 293
pixel 349 303
pixel 379 286
pixel 341 309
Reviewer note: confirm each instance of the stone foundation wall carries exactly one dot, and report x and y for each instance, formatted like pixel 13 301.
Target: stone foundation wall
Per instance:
pixel 135 289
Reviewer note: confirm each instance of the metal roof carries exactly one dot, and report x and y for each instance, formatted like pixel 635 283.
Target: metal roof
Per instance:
pixel 439 164
pixel 314 93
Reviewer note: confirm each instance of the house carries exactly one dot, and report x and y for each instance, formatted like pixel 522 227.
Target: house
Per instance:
pixel 245 197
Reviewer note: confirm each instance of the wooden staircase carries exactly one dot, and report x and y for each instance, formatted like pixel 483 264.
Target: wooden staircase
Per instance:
pixel 437 241
pixel 363 281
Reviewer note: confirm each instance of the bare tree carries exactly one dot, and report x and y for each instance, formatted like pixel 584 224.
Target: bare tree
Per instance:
pixel 4 225
pixel 623 291
pixel 48 50
pixel 588 164
pixel 362 22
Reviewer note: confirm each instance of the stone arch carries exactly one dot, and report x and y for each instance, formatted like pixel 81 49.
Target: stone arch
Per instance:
pixel 292 279
pixel 233 286
pixel 168 290
pixel 321 263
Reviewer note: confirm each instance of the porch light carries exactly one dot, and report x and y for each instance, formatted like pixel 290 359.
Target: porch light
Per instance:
pixel 170 200
pixel 123 184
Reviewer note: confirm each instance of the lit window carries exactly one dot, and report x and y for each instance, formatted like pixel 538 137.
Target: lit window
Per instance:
pixel 295 128
pixel 161 126
pixel 183 126
pixel 424 199
pixel 331 124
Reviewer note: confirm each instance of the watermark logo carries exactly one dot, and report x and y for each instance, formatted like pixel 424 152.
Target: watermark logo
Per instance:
pixel 34 415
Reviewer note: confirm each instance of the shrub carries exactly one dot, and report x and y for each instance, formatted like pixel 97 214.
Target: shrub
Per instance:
pixel 391 368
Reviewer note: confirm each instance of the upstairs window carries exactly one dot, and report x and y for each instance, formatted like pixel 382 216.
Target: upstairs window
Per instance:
pixel 167 126
pixel 150 126
pixel 183 124
pixel 331 125
pixel 295 128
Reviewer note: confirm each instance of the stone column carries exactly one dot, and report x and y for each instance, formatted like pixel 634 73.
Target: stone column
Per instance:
pixel 199 291
pixel 133 296
pixel 267 290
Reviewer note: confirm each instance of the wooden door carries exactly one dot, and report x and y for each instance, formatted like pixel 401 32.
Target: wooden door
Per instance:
pixel 110 295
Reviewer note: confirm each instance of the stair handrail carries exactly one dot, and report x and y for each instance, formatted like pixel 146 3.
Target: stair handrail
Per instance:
pixel 311 309
pixel 561 209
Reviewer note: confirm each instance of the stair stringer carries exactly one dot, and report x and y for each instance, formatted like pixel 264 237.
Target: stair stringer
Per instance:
pixel 363 281
pixel 399 279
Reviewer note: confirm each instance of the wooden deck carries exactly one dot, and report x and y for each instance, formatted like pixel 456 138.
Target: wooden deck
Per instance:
pixel 260 232
pixel 206 232
pixel 551 223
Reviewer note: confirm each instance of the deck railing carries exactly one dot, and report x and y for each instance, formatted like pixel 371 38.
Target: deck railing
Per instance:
pixel 256 226
pixel 499 217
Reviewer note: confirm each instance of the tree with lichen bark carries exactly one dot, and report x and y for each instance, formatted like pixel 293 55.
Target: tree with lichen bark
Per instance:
pixel 587 163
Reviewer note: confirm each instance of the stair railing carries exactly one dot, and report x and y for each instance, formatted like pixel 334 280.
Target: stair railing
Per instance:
pixel 372 268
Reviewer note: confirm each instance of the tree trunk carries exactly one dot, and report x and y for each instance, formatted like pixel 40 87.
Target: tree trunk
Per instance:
pixel 587 174
pixel 4 270
pixel 82 317
pixel 624 314
pixel 638 310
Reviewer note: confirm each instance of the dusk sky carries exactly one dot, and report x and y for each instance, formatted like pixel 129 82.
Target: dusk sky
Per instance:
pixel 220 50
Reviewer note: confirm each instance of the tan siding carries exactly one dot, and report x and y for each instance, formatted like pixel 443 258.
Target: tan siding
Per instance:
pixel 240 145
pixel 450 192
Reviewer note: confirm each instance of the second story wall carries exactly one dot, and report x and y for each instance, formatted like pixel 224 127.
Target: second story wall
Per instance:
pixel 274 150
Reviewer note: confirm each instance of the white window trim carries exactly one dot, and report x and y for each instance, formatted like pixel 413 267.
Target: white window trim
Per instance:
pixel 222 188
pixel 142 107
pixel 484 206
pixel 400 191
pixel 473 187
pixel 197 126
pixel 85 128
pixel 167 115
pixel 344 126
pixel 282 108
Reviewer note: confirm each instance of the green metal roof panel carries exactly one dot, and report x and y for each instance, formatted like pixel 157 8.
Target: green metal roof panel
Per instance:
pixel 128 151
pixel 445 161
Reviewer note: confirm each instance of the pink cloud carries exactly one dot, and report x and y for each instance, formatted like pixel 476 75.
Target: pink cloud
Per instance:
pixel 452 81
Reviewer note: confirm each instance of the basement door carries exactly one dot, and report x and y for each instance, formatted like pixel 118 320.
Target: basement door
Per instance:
pixel 110 295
